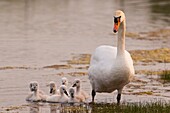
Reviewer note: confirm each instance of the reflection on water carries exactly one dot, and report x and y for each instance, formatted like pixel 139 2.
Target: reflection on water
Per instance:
pixel 40 33
pixel 59 108
pixel 34 108
pixel 160 6
pixel 53 109
pixel 162 9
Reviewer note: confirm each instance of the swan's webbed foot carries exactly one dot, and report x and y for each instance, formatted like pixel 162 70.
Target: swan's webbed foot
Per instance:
pixel 118 99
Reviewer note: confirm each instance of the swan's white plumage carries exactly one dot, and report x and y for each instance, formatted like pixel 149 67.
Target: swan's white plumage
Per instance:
pixel 111 68
pixel 81 94
pixel 36 94
pixel 59 98
pixel 73 97
pixel 53 88
pixel 106 73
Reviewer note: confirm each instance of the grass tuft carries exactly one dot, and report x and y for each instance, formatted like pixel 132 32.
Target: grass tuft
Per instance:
pixel 156 107
pixel 165 75
pixel 157 55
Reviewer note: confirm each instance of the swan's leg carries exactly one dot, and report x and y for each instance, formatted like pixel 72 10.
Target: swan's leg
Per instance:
pixel 119 95
pixel 118 98
pixel 93 95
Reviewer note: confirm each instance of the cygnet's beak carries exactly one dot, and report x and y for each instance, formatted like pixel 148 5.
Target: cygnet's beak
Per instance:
pixel 74 85
pixel 66 92
pixel 72 95
pixel 32 89
pixel 51 90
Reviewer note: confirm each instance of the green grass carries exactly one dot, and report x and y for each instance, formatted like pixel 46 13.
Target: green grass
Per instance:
pixel 157 107
pixel 165 75
pixel 157 55
pixel 160 55
pixel 146 107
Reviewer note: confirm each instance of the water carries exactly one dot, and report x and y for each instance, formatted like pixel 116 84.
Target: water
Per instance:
pixel 47 32
pixel 38 33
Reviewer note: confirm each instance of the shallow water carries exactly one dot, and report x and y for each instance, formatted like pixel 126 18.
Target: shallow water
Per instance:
pixel 37 33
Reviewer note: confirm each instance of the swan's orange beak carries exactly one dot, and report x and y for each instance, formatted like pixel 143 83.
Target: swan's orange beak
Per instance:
pixel 116 24
pixel 116 27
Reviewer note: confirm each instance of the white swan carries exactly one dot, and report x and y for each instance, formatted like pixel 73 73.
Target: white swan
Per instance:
pixel 63 97
pixel 79 92
pixel 36 94
pixel 53 88
pixel 73 98
pixel 111 68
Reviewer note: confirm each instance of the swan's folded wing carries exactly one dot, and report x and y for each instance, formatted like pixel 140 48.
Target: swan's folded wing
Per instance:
pixel 58 92
pixel 43 97
pixel 41 92
pixel 30 95
pixel 85 94
pixel 53 98
pixel 103 53
pixel 64 99
pixel 80 98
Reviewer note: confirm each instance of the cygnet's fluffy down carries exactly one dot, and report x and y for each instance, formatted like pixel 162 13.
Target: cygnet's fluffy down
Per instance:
pixel 63 97
pixel 35 94
pixel 74 98
pixel 64 81
pixel 53 88
pixel 79 92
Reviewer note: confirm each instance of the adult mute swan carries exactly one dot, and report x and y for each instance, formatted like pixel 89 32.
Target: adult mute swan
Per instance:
pixel 111 68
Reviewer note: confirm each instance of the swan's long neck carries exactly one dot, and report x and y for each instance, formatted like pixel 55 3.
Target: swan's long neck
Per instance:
pixel 54 91
pixel 61 93
pixel 36 93
pixel 78 89
pixel 121 39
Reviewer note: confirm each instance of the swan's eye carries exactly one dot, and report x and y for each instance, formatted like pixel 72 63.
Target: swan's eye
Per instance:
pixel 117 19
